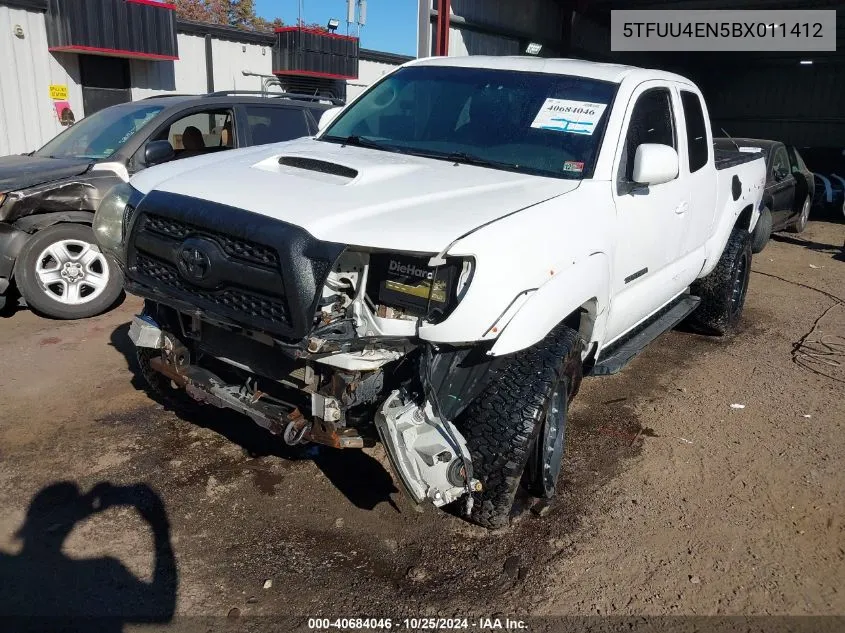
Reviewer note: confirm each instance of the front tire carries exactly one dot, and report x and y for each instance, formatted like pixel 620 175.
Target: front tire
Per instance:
pixel 509 432
pixel 62 273
pixel 804 218
pixel 723 291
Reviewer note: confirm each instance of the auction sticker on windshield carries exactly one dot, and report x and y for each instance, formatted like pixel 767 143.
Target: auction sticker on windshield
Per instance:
pixel 565 115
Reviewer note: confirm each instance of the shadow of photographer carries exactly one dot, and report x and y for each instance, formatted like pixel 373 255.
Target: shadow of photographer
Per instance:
pixel 42 589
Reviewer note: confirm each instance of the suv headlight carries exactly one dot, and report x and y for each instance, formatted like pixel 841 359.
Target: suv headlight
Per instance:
pixel 108 220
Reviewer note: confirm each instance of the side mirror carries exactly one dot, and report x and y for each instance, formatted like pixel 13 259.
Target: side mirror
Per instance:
pixel 156 152
pixel 655 164
pixel 328 116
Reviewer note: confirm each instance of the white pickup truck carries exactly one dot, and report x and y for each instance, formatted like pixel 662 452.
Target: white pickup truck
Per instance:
pixel 439 267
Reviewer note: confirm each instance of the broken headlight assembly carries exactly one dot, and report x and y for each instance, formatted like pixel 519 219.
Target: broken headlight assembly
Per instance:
pixel 110 218
pixel 387 293
pixel 405 285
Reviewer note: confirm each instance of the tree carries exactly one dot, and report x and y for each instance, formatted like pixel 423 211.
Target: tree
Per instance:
pixel 238 13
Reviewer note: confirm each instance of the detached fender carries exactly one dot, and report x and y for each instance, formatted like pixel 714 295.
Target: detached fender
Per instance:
pixel 584 284
pixel 11 243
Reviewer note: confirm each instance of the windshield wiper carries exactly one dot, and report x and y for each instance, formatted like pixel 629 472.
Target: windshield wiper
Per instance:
pixel 469 159
pixel 360 141
pixel 462 158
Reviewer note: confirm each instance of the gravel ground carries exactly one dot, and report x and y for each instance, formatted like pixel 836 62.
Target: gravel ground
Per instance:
pixel 674 501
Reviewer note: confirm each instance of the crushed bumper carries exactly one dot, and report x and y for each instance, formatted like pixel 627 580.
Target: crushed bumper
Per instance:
pixel 12 241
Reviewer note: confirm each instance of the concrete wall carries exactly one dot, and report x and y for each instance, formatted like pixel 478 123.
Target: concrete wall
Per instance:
pixel 232 58
pixel 28 118
pixel 190 68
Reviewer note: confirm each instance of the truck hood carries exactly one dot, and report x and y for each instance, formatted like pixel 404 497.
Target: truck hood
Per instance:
pixel 20 172
pixel 354 195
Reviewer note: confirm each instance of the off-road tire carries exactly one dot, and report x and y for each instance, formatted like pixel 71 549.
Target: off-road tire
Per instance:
pixel 40 299
pixel 803 218
pixel 504 422
pixel 762 231
pixel 158 385
pixel 723 291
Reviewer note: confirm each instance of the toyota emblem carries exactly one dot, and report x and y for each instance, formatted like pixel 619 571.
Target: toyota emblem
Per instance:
pixel 194 263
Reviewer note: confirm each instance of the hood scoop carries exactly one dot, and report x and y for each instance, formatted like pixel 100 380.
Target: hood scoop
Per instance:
pixel 319 166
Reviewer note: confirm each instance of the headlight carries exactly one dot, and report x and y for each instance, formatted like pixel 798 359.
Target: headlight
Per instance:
pixel 408 282
pixel 2 198
pixel 108 220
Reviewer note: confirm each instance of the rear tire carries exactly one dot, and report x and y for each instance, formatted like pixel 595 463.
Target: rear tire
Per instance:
pixel 62 273
pixel 507 428
pixel 762 231
pixel 801 223
pixel 723 291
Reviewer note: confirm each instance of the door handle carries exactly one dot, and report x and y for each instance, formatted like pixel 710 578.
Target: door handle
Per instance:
pixel 682 208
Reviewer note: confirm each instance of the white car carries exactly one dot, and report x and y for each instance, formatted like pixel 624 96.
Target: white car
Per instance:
pixel 441 264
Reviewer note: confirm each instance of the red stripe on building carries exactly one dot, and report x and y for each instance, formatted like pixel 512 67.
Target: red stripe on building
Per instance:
pixel 153 3
pixel 113 52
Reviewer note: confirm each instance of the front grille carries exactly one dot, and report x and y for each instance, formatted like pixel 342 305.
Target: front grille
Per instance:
pixel 233 302
pixel 244 267
pixel 239 249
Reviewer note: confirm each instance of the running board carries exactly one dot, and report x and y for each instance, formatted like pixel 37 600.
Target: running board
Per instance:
pixel 621 353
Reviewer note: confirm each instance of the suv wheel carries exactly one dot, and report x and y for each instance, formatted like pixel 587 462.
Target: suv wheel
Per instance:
pixel 62 273
pixel 515 429
pixel 801 222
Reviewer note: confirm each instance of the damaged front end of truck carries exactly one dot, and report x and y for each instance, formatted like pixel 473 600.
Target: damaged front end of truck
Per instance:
pixel 314 341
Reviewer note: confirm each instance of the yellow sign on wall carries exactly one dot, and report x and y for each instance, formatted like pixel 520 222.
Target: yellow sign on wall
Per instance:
pixel 58 92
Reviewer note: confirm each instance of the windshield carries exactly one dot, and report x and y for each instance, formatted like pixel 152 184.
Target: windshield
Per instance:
pixel 101 134
pixel 549 125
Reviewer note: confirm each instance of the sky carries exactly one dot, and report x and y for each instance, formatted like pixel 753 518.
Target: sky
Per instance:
pixel 391 24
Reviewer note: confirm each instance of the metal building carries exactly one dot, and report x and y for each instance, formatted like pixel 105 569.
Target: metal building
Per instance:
pixel 63 59
pixel 768 95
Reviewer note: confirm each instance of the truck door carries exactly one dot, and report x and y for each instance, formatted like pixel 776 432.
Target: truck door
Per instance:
pixel 650 220
pixel 699 170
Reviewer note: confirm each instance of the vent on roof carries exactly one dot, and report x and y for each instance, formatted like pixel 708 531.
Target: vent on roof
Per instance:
pixel 321 166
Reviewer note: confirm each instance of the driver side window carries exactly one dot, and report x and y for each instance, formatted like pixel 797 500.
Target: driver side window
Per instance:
pixel 199 133
pixel 652 121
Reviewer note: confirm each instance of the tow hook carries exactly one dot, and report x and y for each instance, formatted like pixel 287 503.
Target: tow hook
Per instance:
pixel 296 428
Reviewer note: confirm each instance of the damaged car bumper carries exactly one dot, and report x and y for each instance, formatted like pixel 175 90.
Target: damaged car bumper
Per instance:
pixel 12 241
pixel 426 451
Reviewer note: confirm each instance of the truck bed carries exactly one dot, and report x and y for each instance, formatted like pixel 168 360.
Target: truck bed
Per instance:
pixel 725 158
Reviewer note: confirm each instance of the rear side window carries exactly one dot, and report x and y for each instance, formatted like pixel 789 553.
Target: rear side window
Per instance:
pixel 273 125
pixel 795 160
pixel 698 150
pixel 652 121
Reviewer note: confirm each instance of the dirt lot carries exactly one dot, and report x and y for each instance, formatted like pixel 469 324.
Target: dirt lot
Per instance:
pixel 674 501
